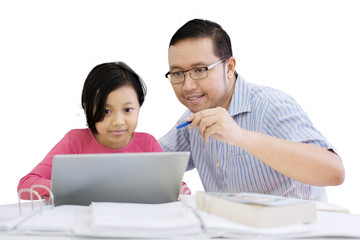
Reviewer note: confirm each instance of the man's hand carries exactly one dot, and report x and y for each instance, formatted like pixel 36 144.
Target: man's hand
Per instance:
pixel 217 123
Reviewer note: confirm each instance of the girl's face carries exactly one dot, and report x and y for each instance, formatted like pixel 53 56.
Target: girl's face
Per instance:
pixel 121 115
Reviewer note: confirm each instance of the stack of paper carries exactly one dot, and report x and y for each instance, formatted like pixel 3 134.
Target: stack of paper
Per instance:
pixel 138 220
pixel 54 221
pixel 168 220
pixel 10 215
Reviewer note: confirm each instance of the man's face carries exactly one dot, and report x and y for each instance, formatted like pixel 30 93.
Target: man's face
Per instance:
pixel 210 92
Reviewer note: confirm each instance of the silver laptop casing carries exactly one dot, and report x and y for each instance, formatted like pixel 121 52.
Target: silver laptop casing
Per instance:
pixel 155 177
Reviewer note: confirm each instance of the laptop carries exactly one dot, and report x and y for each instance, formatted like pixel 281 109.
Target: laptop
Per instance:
pixel 153 177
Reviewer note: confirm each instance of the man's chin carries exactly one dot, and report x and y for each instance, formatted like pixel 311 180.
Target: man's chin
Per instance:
pixel 194 107
pixel 197 108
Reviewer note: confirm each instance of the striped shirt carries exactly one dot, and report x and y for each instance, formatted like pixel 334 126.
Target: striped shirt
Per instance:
pixel 227 168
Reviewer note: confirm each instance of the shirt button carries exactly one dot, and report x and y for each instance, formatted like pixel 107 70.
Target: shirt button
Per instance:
pixel 218 164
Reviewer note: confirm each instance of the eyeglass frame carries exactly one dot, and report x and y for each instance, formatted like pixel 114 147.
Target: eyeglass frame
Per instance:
pixel 206 68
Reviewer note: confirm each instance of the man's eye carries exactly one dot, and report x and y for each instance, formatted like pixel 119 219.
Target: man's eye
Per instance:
pixel 199 70
pixel 176 74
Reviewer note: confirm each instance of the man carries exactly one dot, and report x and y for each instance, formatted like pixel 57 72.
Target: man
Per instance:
pixel 242 137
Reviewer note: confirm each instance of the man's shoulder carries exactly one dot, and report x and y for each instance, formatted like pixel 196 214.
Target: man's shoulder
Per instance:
pixel 268 93
pixel 248 95
pixel 270 96
pixel 258 98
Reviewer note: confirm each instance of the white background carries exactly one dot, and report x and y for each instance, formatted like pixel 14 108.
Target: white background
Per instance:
pixel 309 49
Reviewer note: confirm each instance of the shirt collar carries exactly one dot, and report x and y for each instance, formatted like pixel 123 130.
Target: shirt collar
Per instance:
pixel 240 100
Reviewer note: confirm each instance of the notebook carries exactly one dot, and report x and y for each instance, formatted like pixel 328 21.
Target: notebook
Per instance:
pixel 79 179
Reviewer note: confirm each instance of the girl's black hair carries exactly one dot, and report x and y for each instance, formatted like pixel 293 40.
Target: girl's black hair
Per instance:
pixel 102 80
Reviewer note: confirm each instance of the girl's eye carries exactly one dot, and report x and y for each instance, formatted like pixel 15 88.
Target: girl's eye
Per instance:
pixel 107 111
pixel 128 109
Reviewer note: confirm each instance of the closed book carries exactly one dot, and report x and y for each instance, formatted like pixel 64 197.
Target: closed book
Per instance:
pixel 257 210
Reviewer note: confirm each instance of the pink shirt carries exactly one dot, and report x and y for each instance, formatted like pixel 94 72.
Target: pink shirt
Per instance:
pixel 81 141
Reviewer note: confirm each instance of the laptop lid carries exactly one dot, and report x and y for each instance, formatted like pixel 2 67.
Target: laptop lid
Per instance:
pixel 154 177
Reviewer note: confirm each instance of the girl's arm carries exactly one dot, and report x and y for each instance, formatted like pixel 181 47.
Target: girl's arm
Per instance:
pixel 41 174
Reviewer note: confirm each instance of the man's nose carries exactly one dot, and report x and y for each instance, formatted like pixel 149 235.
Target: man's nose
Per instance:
pixel 189 83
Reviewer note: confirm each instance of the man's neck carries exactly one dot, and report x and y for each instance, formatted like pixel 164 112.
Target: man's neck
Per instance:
pixel 231 92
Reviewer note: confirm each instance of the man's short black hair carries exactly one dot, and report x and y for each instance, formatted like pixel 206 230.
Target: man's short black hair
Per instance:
pixel 198 28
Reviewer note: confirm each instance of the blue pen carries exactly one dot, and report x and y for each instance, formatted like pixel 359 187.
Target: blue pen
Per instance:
pixel 183 125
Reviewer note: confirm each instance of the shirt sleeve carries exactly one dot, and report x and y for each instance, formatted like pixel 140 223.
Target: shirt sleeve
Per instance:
pixel 285 119
pixel 178 140
pixel 41 174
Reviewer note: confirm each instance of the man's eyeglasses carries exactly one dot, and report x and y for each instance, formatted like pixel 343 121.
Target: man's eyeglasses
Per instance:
pixel 194 73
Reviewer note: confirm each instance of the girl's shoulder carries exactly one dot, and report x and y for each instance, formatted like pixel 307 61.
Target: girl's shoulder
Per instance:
pixel 142 136
pixel 143 142
pixel 83 141
pixel 83 135
pixel 80 133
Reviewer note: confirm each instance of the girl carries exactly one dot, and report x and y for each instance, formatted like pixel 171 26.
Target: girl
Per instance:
pixel 111 98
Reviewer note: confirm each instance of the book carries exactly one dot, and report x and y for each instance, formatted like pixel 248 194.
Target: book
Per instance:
pixel 330 207
pixel 257 210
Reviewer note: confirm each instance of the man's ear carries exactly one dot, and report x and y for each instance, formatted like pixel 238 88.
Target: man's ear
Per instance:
pixel 231 63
